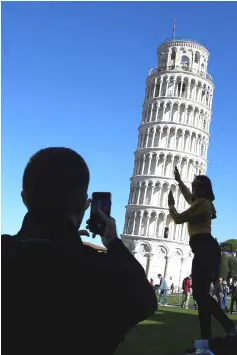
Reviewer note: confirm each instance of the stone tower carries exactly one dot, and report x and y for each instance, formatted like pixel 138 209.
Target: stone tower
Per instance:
pixel 174 131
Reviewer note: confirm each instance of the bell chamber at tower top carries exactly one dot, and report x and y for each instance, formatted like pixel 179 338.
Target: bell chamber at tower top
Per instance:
pixel 183 55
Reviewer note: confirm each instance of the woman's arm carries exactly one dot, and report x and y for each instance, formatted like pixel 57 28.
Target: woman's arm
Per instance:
pixel 198 208
pixel 183 188
pixel 186 192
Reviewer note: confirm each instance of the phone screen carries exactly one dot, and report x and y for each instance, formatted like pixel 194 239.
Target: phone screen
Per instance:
pixel 100 201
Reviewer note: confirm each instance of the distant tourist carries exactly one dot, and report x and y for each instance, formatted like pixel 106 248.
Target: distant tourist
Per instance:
pixel 48 299
pixel 219 291
pixel 163 290
pixel 187 291
pixel 172 288
pixel 211 289
pixel 206 250
pixel 233 295
pixel 225 296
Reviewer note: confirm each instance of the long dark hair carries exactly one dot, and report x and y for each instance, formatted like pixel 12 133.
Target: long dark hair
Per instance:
pixel 204 190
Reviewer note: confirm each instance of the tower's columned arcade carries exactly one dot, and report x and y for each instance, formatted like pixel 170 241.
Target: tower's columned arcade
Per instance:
pixel 174 131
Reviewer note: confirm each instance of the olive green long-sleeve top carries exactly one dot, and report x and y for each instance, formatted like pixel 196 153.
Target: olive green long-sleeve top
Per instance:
pixel 198 215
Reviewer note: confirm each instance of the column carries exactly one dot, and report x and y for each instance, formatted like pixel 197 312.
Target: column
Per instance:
pixel 181 88
pixel 139 193
pixel 131 196
pixel 205 97
pixel 154 91
pixel 211 97
pixel 143 164
pixel 159 195
pixel 139 140
pixel 147 138
pixel 188 89
pixel 173 93
pixel 163 167
pixel 156 225
pixel 152 192
pixel 144 198
pixel 183 141
pixel 153 137
pixel 186 114
pixel 147 226
pixel 134 194
pixel 152 106
pixel 195 92
pixel 134 222
pixel 171 167
pixel 171 109
pixel 125 224
pixel 181 272
pixel 149 260
pixel 166 272
pixel 138 167
pixel 167 86
pixel 140 223
pixel 149 164
pixel 157 158
pixel 178 113
pixel 135 166
pixel 161 84
pixel 180 142
pixel 157 110
pixel 164 109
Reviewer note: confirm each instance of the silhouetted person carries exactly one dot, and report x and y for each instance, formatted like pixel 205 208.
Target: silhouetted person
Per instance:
pixel 48 301
pixel 206 250
pixel 233 295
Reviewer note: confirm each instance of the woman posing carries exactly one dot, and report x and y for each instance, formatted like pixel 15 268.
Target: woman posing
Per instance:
pixel 206 250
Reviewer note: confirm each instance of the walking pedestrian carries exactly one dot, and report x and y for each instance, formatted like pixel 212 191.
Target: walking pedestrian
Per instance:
pixel 163 290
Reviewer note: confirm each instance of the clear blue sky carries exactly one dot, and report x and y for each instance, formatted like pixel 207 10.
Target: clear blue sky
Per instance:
pixel 73 74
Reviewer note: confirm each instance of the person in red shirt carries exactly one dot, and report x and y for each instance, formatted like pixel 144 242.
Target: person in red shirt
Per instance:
pixel 187 285
pixel 152 282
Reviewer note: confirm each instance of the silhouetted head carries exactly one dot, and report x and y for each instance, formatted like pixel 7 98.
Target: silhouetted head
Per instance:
pixel 55 181
pixel 159 276
pixel 202 188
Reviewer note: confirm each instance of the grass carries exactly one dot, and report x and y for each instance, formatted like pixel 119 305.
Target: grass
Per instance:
pixel 168 332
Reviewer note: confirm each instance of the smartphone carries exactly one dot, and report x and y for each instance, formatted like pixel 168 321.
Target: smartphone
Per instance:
pixel 100 201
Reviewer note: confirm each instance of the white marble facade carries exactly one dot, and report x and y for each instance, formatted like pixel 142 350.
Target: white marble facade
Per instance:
pixel 174 132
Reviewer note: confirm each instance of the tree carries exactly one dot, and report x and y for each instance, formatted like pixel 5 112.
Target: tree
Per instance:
pixel 232 265
pixel 224 267
pixel 230 245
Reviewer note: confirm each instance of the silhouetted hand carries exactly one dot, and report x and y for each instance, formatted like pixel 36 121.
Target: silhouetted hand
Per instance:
pixel 171 201
pixel 84 233
pixel 88 203
pixel 110 231
pixel 177 175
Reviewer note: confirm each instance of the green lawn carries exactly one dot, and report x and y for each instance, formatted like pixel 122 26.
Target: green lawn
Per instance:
pixel 168 332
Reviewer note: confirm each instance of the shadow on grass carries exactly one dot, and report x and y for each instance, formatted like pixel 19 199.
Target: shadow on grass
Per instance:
pixel 167 332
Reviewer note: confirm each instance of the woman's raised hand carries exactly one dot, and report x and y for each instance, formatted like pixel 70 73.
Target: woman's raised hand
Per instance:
pixel 177 175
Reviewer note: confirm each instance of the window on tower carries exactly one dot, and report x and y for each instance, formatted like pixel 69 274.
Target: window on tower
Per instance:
pixel 185 62
pixel 173 54
pixel 197 57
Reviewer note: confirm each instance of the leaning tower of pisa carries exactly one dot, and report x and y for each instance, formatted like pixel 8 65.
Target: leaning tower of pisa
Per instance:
pixel 174 131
